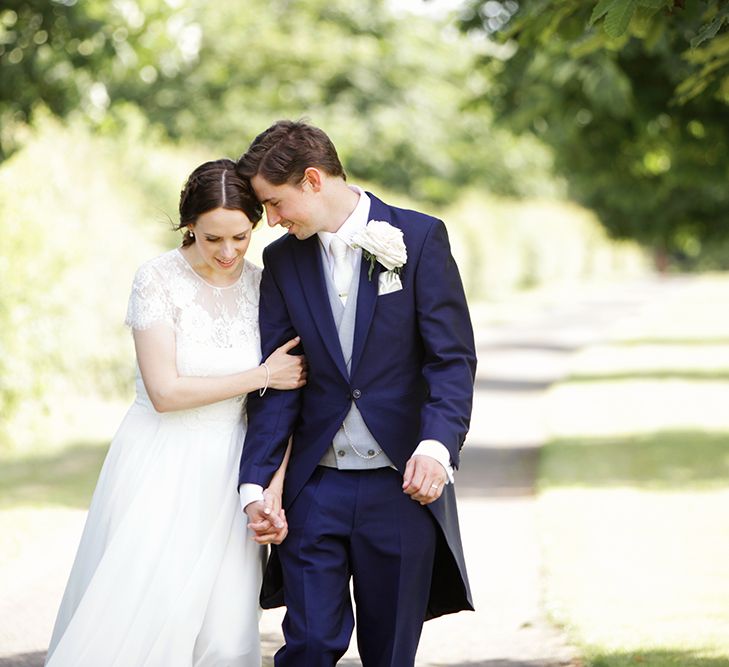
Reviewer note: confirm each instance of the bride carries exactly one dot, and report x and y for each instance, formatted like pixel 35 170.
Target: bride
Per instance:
pixel 165 573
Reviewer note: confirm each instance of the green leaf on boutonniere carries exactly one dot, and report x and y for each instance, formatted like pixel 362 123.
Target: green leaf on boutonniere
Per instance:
pixel 371 259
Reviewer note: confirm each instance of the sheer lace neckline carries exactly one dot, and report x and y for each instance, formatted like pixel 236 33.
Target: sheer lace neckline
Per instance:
pixel 209 284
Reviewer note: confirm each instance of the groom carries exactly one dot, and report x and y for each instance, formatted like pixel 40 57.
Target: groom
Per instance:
pixel 376 298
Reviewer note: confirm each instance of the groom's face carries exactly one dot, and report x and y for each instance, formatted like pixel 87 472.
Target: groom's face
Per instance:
pixel 292 206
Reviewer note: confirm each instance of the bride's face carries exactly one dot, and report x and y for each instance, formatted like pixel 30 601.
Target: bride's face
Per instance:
pixel 222 237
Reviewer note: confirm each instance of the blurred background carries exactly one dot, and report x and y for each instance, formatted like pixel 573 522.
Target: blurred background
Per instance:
pixel 577 151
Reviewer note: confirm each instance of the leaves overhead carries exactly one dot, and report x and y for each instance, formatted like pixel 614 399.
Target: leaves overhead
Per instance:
pixel 639 121
pixel 391 89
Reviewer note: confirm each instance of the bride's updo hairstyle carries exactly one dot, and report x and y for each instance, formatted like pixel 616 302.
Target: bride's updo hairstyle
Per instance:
pixel 216 184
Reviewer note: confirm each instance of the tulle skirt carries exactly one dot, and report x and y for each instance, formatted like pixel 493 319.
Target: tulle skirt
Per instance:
pixel 166 574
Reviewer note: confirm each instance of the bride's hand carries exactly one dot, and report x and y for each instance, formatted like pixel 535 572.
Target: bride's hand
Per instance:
pixel 287 371
pixel 272 508
pixel 272 500
pixel 266 528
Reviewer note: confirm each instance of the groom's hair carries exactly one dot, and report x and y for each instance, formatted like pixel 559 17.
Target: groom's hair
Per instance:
pixel 283 152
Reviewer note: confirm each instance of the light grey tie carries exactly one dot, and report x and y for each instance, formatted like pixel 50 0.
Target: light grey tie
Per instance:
pixel 342 267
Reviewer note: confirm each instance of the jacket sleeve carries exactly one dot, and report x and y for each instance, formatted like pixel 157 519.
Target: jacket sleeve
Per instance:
pixel 449 365
pixel 271 417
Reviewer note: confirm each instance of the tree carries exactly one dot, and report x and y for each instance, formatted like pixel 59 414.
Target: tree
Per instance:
pixel 697 30
pixel 652 168
pixel 72 56
pixel 391 90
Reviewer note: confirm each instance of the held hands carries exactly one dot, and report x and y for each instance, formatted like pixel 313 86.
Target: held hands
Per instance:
pixel 424 479
pixel 267 519
pixel 287 371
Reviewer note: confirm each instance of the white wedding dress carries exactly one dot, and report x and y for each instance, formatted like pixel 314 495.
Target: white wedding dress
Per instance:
pixel 166 574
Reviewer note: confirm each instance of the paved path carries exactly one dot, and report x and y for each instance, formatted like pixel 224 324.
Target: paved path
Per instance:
pixel 518 360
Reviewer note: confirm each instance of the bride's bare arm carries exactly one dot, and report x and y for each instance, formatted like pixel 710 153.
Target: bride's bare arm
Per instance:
pixel 170 391
pixel 268 518
pixel 272 495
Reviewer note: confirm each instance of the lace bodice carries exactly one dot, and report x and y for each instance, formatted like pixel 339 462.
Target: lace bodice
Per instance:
pixel 216 328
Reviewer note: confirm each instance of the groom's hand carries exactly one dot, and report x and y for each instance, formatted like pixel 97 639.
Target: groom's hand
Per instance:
pixel 424 479
pixel 268 527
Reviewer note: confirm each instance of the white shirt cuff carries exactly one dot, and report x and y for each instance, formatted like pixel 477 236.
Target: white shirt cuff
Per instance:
pixel 438 451
pixel 249 493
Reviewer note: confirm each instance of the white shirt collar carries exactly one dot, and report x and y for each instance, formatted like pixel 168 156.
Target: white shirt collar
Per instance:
pixel 356 221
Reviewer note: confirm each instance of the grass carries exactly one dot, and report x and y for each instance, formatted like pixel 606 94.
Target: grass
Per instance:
pixel 667 374
pixel 672 341
pixel 667 658
pixel 633 494
pixel 665 460
pixel 66 477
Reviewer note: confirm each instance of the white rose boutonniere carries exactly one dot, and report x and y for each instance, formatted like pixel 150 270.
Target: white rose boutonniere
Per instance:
pixel 383 243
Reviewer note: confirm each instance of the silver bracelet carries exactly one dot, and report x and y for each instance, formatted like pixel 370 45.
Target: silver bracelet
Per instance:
pixel 268 377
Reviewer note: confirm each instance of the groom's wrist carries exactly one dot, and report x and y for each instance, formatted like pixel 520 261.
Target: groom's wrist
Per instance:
pixel 250 493
pixel 438 451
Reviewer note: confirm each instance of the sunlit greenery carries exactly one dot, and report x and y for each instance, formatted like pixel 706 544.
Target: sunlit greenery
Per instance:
pixel 635 145
pixel 106 106
pixel 698 30
pixel 81 211
pixel 77 214
pixel 392 90
pixel 540 131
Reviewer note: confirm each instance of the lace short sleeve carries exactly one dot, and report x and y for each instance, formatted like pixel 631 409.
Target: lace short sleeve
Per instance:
pixel 149 302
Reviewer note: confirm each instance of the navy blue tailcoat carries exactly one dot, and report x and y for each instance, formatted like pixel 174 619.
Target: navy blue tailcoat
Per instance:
pixel 412 375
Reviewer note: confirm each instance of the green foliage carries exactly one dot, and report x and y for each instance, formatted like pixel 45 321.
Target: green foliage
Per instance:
pixel 652 170
pixel 79 212
pixel 76 219
pixel 505 245
pixel 391 90
pixel 150 89
pixel 610 24
pixel 72 56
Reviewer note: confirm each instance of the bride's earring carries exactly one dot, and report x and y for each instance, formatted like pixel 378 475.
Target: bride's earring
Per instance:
pixel 191 233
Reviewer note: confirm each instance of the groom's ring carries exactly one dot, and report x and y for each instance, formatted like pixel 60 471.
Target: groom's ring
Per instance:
pixel 435 486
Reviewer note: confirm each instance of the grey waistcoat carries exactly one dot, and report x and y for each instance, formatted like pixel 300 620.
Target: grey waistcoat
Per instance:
pixel 340 454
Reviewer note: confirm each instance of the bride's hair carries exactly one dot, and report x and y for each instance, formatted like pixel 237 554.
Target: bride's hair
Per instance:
pixel 216 184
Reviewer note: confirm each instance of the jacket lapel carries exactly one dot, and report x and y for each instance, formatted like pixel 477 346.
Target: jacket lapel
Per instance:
pixel 367 297
pixel 307 256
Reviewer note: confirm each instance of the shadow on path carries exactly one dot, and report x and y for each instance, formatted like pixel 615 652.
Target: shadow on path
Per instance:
pixel 508 384
pixel 35 659
pixel 497 472
pixel 67 477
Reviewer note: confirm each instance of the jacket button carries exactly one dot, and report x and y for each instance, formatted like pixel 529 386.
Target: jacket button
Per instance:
pixel 356 393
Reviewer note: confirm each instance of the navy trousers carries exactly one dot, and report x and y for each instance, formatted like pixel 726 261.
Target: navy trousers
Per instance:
pixel 355 524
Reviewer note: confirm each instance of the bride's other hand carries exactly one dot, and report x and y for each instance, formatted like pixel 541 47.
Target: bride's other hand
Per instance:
pixel 271 501
pixel 277 535
pixel 287 371
pixel 266 528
